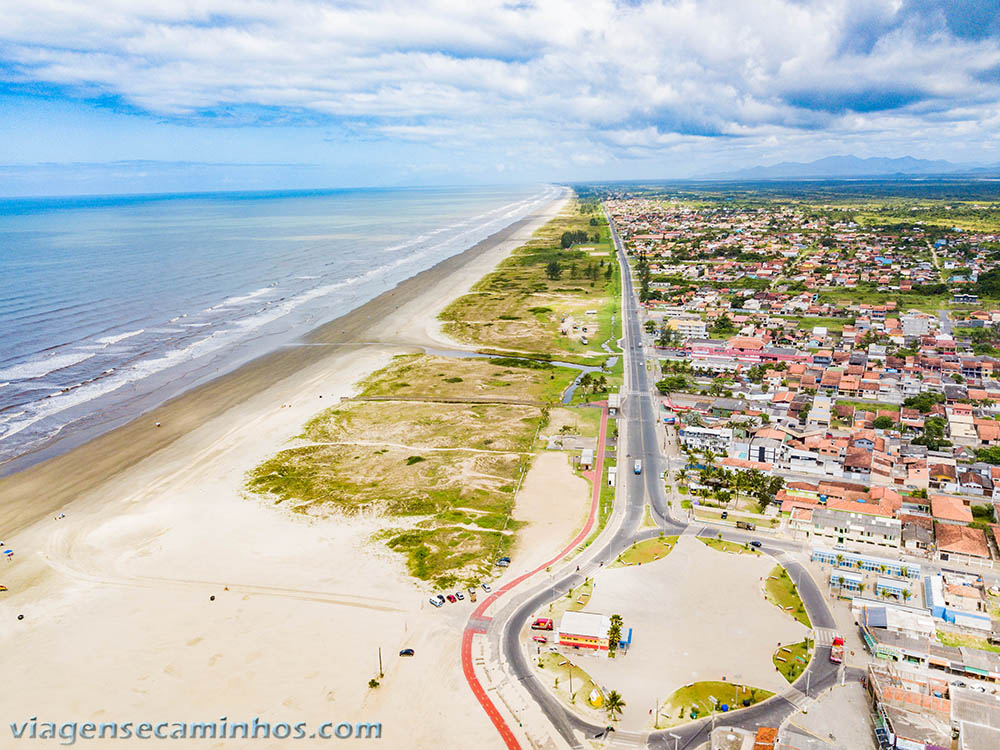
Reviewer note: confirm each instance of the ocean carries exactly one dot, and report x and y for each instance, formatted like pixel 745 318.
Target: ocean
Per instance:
pixel 111 305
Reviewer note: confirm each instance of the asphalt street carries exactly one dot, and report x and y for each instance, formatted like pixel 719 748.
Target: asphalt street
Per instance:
pixel 638 439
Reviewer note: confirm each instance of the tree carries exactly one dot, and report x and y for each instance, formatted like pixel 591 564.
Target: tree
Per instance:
pixel 569 239
pixel 933 436
pixel 883 423
pixel 614 704
pixel 553 270
pixel 990 455
pixel 723 325
pixel 673 383
pixel 907 594
pixel 923 402
pixel 650 326
pixel 614 632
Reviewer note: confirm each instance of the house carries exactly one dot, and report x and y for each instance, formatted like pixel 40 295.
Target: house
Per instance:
pixel 961 540
pixel 950 510
pixel 918 532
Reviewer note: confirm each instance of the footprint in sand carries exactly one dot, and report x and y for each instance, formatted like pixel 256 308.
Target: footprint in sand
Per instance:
pixel 195 641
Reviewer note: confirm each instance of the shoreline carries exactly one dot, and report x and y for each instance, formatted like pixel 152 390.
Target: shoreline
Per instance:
pixel 404 317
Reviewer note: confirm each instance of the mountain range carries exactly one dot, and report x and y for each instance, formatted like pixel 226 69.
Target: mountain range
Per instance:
pixel 852 166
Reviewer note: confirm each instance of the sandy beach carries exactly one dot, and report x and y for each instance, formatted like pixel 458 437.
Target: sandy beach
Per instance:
pixel 119 622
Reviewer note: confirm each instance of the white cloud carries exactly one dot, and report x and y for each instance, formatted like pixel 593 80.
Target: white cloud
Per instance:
pixel 539 78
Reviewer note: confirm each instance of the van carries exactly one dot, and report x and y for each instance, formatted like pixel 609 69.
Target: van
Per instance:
pixel 638 467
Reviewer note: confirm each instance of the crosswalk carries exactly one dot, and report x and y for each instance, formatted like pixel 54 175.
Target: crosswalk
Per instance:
pixel 824 636
pixel 625 739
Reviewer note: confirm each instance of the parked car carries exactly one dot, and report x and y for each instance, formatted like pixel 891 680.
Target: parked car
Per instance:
pixel 487 587
pixel 435 602
pixel 441 598
pixel 540 639
pixel 452 599
pixel 725 515
pixel 542 623
pixel 406 652
pixel 459 595
pixel 755 543
pixel 503 562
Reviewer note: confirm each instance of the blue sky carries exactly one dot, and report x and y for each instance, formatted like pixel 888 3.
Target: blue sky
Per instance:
pixel 164 95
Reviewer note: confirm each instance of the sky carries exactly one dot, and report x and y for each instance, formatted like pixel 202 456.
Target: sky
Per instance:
pixel 109 96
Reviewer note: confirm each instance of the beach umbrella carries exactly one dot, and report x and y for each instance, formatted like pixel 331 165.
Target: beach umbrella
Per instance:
pixel 8 552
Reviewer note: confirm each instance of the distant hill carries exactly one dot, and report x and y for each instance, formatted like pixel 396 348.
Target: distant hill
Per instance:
pixel 853 166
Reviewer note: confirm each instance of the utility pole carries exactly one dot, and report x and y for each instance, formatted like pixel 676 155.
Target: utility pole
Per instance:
pixel 380 672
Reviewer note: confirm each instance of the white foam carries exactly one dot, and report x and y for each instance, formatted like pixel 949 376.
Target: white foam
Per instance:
pixel 57 402
pixel 108 340
pixel 241 299
pixel 37 368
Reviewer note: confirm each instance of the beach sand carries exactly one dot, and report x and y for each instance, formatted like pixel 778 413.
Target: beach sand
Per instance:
pixel 118 621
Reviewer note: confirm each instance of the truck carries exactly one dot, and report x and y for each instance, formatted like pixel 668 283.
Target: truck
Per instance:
pixel 542 623
pixel 638 467
pixel 837 650
pixel 745 525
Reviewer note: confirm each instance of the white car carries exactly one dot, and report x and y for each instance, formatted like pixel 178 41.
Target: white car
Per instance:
pixel 487 587
pixel 435 602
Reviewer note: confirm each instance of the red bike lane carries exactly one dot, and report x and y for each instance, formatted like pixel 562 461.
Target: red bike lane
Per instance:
pixel 477 617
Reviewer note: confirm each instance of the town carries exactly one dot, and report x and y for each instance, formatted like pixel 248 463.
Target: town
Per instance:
pixel 829 373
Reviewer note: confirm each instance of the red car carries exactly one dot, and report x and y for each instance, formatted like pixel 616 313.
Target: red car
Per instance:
pixel 539 639
pixel 451 598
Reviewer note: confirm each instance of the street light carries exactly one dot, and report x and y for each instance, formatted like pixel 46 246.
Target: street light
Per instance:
pixel 677 738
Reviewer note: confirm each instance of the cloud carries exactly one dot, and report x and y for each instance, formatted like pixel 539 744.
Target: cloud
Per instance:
pixel 541 78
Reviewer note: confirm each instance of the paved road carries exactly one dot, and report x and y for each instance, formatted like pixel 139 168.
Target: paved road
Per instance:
pixel 639 439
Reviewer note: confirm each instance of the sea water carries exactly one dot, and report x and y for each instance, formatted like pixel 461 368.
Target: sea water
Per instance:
pixel 109 305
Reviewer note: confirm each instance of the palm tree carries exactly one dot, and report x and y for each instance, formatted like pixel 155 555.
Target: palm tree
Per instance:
pixel 861 588
pixel 614 704
pixel 840 560
pixel 907 594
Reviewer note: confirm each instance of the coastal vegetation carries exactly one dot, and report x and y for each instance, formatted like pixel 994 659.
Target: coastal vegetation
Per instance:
pixel 545 287
pixel 447 466
pixel 438 446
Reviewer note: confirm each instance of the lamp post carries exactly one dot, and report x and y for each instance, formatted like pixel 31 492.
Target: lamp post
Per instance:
pixel 677 738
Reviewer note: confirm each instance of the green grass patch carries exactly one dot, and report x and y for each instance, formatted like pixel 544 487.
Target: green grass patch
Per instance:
pixel 792 660
pixel 961 640
pixel 780 590
pixel 414 460
pixel 731 547
pixel 571 683
pixel 692 701
pixel 646 551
